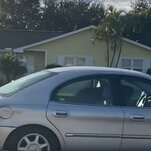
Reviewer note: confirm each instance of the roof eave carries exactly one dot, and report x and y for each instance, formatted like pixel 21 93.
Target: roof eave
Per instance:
pixel 137 44
pixel 21 49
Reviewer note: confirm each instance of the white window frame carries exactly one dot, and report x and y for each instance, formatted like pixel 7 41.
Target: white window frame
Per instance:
pixel 145 63
pixel 88 60
pixel 74 60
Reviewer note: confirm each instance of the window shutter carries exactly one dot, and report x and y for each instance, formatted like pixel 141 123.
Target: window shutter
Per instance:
pixel 146 65
pixel 61 60
pixel 89 61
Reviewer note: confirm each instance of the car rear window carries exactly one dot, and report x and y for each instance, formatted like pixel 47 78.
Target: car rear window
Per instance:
pixel 25 82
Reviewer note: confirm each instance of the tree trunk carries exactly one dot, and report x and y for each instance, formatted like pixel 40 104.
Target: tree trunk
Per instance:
pixel 121 45
pixel 114 51
pixel 108 55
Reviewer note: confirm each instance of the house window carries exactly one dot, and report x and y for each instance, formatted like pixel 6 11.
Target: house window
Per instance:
pixel 132 64
pixel 80 61
pixel 126 63
pixel 75 61
pixel 69 61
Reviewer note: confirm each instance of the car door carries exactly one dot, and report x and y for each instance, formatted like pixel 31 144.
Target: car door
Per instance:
pixel 83 110
pixel 136 94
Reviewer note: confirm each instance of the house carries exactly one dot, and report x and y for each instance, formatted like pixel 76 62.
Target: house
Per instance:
pixel 40 48
pixel 10 40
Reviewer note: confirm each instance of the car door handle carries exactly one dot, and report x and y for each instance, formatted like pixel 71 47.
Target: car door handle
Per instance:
pixel 137 117
pixel 60 113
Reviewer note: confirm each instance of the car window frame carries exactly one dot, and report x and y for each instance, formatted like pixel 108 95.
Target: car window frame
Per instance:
pixel 126 77
pixel 109 77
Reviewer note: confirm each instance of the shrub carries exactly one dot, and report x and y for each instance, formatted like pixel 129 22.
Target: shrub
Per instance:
pixel 49 66
pixel 149 71
pixel 12 67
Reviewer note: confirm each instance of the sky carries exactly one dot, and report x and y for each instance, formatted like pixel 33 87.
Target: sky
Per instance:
pixel 120 4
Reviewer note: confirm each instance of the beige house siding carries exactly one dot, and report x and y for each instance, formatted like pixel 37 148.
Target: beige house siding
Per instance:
pixel 80 45
pixel 76 45
pixel 130 50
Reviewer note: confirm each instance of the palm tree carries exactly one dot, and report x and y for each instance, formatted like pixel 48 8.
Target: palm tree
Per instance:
pixel 110 31
pixel 12 66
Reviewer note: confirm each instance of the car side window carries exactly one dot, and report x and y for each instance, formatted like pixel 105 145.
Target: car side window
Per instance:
pixel 136 92
pixel 88 90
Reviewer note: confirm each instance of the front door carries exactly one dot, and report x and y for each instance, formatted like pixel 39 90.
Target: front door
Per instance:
pixel 83 111
pixel 136 94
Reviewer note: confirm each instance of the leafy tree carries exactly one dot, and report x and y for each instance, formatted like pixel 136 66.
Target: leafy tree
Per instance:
pixel 70 15
pixel 20 14
pixel 111 31
pixel 12 67
pixel 138 23
pixel 50 15
pixel 140 5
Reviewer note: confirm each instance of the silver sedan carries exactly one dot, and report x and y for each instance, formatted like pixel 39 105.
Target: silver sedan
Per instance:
pixel 77 109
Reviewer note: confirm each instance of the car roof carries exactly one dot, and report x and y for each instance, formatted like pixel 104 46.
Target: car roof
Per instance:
pixel 105 70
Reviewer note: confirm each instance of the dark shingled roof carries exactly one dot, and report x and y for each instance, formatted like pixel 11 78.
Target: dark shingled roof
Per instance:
pixel 18 38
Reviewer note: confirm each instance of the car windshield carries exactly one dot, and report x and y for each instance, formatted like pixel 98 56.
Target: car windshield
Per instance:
pixel 24 82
